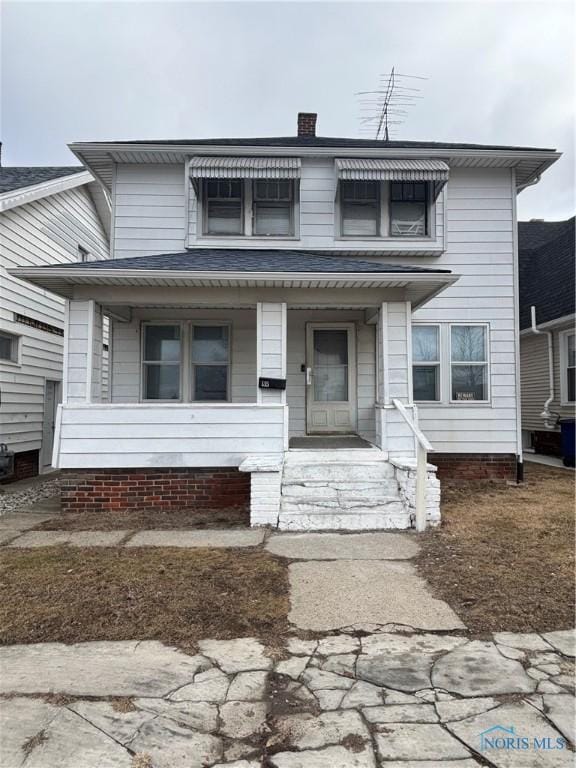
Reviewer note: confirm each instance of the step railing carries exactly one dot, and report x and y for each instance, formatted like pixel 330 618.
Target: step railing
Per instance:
pixel 423 447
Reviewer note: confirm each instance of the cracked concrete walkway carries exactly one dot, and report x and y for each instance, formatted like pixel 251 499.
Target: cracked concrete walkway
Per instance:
pixel 384 700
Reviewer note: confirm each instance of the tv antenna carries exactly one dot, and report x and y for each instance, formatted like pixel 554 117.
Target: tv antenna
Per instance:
pixel 385 108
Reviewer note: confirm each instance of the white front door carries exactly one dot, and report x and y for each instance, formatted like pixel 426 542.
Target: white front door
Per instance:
pixel 51 400
pixel 330 378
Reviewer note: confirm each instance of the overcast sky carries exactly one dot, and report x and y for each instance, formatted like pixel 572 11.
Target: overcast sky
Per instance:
pixel 499 72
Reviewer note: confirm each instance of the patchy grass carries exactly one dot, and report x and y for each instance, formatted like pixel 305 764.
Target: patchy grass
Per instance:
pixel 504 555
pixel 63 594
pixel 137 520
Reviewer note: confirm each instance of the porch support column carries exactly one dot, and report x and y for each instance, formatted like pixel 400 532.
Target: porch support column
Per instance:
pixel 394 357
pixel 83 352
pixel 271 355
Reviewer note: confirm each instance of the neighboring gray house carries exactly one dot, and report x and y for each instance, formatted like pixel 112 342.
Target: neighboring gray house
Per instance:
pixel 48 215
pixel 547 357
pixel 272 296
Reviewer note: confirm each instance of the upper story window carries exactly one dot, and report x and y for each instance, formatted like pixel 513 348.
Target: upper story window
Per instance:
pixel 272 208
pixel 408 209
pixel 360 208
pixel 224 204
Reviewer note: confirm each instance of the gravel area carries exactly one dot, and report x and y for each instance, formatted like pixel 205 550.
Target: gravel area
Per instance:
pixel 18 500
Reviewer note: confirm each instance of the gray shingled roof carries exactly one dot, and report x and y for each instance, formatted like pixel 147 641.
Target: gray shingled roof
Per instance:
pixel 547 266
pixel 321 141
pixel 15 177
pixel 245 260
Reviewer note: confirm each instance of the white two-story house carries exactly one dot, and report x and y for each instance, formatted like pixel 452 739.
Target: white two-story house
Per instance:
pixel 299 319
pixel 48 215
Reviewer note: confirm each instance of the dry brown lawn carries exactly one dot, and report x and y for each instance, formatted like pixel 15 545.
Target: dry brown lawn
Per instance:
pixel 136 520
pixel 504 555
pixel 64 594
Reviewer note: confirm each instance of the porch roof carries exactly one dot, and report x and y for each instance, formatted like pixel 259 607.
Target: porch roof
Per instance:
pixel 241 267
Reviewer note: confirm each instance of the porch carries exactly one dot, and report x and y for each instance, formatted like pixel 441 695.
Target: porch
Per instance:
pixel 222 370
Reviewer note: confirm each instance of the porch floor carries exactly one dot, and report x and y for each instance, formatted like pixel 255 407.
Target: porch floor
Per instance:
pixel 328 442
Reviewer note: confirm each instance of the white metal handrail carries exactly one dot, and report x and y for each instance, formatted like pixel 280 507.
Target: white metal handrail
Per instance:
pixel 423 446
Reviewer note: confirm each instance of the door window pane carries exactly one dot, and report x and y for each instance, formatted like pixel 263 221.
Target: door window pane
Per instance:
pixel 330 347
pixel 161 382
pixel 210 382
pixel 468 343
pixel 469 382
pixel 331 383
pixel 425 382
pixel 162 343
pixel 210 344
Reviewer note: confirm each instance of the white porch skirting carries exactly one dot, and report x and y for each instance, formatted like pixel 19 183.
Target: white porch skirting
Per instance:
pixel 101 435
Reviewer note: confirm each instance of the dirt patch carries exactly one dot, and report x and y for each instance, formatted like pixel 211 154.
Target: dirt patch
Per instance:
pixel 504 556
pixel 137 520
pixel 29 746
pixel 61 594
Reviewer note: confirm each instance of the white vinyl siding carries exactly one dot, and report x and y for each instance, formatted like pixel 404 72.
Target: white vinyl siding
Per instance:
pixel 46 231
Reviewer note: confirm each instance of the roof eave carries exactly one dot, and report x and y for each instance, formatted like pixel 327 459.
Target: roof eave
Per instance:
pixel 29 194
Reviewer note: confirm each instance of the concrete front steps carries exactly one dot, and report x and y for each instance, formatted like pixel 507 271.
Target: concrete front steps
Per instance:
pixel 340 489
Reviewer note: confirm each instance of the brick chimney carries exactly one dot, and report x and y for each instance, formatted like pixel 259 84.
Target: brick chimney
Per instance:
pixel 307 123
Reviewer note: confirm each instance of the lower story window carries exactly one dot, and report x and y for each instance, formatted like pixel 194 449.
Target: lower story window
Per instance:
pixel 161 358
pixel 210 362
pixel 568 354
pixel 8 347
pixel 469 362
pixel 426 358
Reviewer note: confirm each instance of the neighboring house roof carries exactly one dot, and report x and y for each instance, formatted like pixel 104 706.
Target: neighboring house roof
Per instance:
pixel 547 266
pixel 17 177
pixel 246 260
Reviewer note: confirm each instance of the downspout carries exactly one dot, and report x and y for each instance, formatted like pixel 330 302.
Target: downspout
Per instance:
pixel 516 189
pixel 549 418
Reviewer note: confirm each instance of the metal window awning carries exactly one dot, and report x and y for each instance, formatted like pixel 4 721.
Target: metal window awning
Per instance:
pixel 202 167
pixel 393 169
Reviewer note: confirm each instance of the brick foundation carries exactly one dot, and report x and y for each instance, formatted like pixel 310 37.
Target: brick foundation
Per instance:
pixel 475 466
pixel 26 464
pixel 129 489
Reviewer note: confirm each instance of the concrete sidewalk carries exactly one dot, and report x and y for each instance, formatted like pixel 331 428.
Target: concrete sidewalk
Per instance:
pixel 383 700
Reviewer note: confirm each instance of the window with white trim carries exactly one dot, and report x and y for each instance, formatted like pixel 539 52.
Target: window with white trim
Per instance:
pixel 568 366
pixel 272 208
pixel 360 208
pixel 210 362
pixel 224 207
pixel 408 209
pixel 426 362
pixel 83 254
pixel 161 362
pixel 9 347
pixel 468 363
